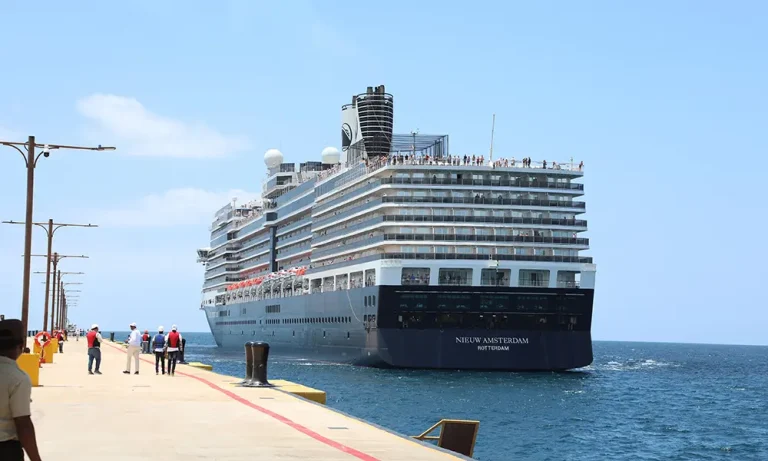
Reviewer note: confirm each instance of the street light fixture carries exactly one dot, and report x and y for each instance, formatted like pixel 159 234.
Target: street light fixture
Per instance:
pixel 56 258
pixel 30 161
pixel 58 300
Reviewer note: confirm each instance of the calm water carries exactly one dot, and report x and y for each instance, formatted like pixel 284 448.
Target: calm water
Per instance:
pixel 638 401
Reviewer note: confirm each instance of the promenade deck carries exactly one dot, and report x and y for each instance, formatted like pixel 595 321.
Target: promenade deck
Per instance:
pixel 194 415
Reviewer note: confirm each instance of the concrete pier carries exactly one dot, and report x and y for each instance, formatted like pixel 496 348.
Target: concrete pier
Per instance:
pixel 195 415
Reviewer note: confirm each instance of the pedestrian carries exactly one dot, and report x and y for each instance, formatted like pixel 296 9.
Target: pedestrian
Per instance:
pixel 158 345
pixel 17 432
pixel 173 343
pixel 94 349
pixel 145 342
pixel 61 342
pixel 134 348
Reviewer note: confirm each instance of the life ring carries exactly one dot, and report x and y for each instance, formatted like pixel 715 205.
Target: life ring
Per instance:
pixel 39 340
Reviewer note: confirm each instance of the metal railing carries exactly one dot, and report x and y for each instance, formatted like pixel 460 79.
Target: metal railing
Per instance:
pixel 485 182
pixel 487 201
pixel 488 219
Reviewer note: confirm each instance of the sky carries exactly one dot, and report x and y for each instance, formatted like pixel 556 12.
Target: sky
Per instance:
pixel 665 102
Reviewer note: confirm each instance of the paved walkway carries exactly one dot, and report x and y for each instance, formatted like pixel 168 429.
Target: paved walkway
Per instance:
pixel 194 415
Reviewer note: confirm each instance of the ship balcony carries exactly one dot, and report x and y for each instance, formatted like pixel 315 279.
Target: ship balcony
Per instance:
pixel 482 257
pixel 521 183
pixel 234 247
pixel 527 241
pixel 232 258
pixel 545 205
pixel 488 201
pixel 234 269
pixel 427 220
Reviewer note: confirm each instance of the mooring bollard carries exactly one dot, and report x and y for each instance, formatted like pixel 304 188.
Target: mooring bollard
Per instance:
pixel 181 351
pixel 260 358
pixel 248 364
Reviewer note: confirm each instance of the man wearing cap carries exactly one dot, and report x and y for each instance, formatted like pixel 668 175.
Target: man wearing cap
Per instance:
pixel 17 433
pixel 158 346
pixel 173 343
pixel 134 348
pixel 94 348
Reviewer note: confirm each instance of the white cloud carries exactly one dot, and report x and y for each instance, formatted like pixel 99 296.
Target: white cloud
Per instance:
pixel 138 131
pixel 176 207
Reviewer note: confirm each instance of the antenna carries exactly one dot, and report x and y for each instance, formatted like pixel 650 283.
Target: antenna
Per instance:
pixel 493 128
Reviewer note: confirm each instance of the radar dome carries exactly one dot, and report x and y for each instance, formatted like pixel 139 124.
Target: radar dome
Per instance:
pixel 273 158
pixel 331 156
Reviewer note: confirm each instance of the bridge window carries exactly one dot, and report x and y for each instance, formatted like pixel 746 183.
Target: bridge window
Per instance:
pixel 415 276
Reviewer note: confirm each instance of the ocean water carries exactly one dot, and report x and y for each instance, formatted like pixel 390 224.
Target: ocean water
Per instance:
pixel 638 401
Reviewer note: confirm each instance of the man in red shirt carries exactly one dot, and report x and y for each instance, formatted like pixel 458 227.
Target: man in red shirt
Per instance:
pixel 145 342
pixel 94 349
pixel 173 344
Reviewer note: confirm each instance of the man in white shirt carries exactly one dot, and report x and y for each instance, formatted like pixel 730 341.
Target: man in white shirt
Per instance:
pixel 134 348
pixel 17 433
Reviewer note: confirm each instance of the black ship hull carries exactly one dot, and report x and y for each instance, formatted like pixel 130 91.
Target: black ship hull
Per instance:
pixel 445 327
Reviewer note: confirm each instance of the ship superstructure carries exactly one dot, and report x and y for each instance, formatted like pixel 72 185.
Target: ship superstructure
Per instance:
pixel 395 251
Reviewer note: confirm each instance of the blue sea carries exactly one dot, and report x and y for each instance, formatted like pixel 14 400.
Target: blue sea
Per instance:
pixel 638 401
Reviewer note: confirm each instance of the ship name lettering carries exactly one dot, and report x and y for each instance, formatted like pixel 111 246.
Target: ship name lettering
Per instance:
pixel 490 340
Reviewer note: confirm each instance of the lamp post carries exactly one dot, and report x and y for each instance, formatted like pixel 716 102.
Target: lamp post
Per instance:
pixel 57 299
pixel 55 258
pixel 65 306
pixel 30 161
pixel 50 229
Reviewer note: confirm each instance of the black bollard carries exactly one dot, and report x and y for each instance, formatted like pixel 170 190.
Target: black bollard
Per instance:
pixel 181 351
pixel 260 358
pixel 112 336
pixel 248 364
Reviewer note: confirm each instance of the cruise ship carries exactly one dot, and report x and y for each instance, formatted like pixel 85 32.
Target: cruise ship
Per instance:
pixel 397 252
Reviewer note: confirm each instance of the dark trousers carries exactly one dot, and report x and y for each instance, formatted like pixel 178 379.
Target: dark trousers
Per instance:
pixel 11 451
pixel 61 346
pixel 94 353
pixel 172 358
pixel 159 359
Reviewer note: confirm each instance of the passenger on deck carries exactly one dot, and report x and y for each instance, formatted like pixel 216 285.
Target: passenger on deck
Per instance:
pixel 17 433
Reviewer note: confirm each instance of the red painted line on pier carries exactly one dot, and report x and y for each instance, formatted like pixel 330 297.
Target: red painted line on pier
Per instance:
pixel 289 422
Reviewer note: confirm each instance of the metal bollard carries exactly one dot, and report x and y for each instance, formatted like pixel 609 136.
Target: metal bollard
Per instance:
pixel 112 337
pixel 248 364
pixel 260 358
pixel 181 351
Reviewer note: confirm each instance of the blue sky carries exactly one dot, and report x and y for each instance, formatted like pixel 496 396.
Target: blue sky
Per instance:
pixel 665 102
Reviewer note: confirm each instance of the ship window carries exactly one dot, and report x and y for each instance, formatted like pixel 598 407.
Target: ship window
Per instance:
pixel 455 276
pixel 323 334
pixel 374 300
pixel 347 335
